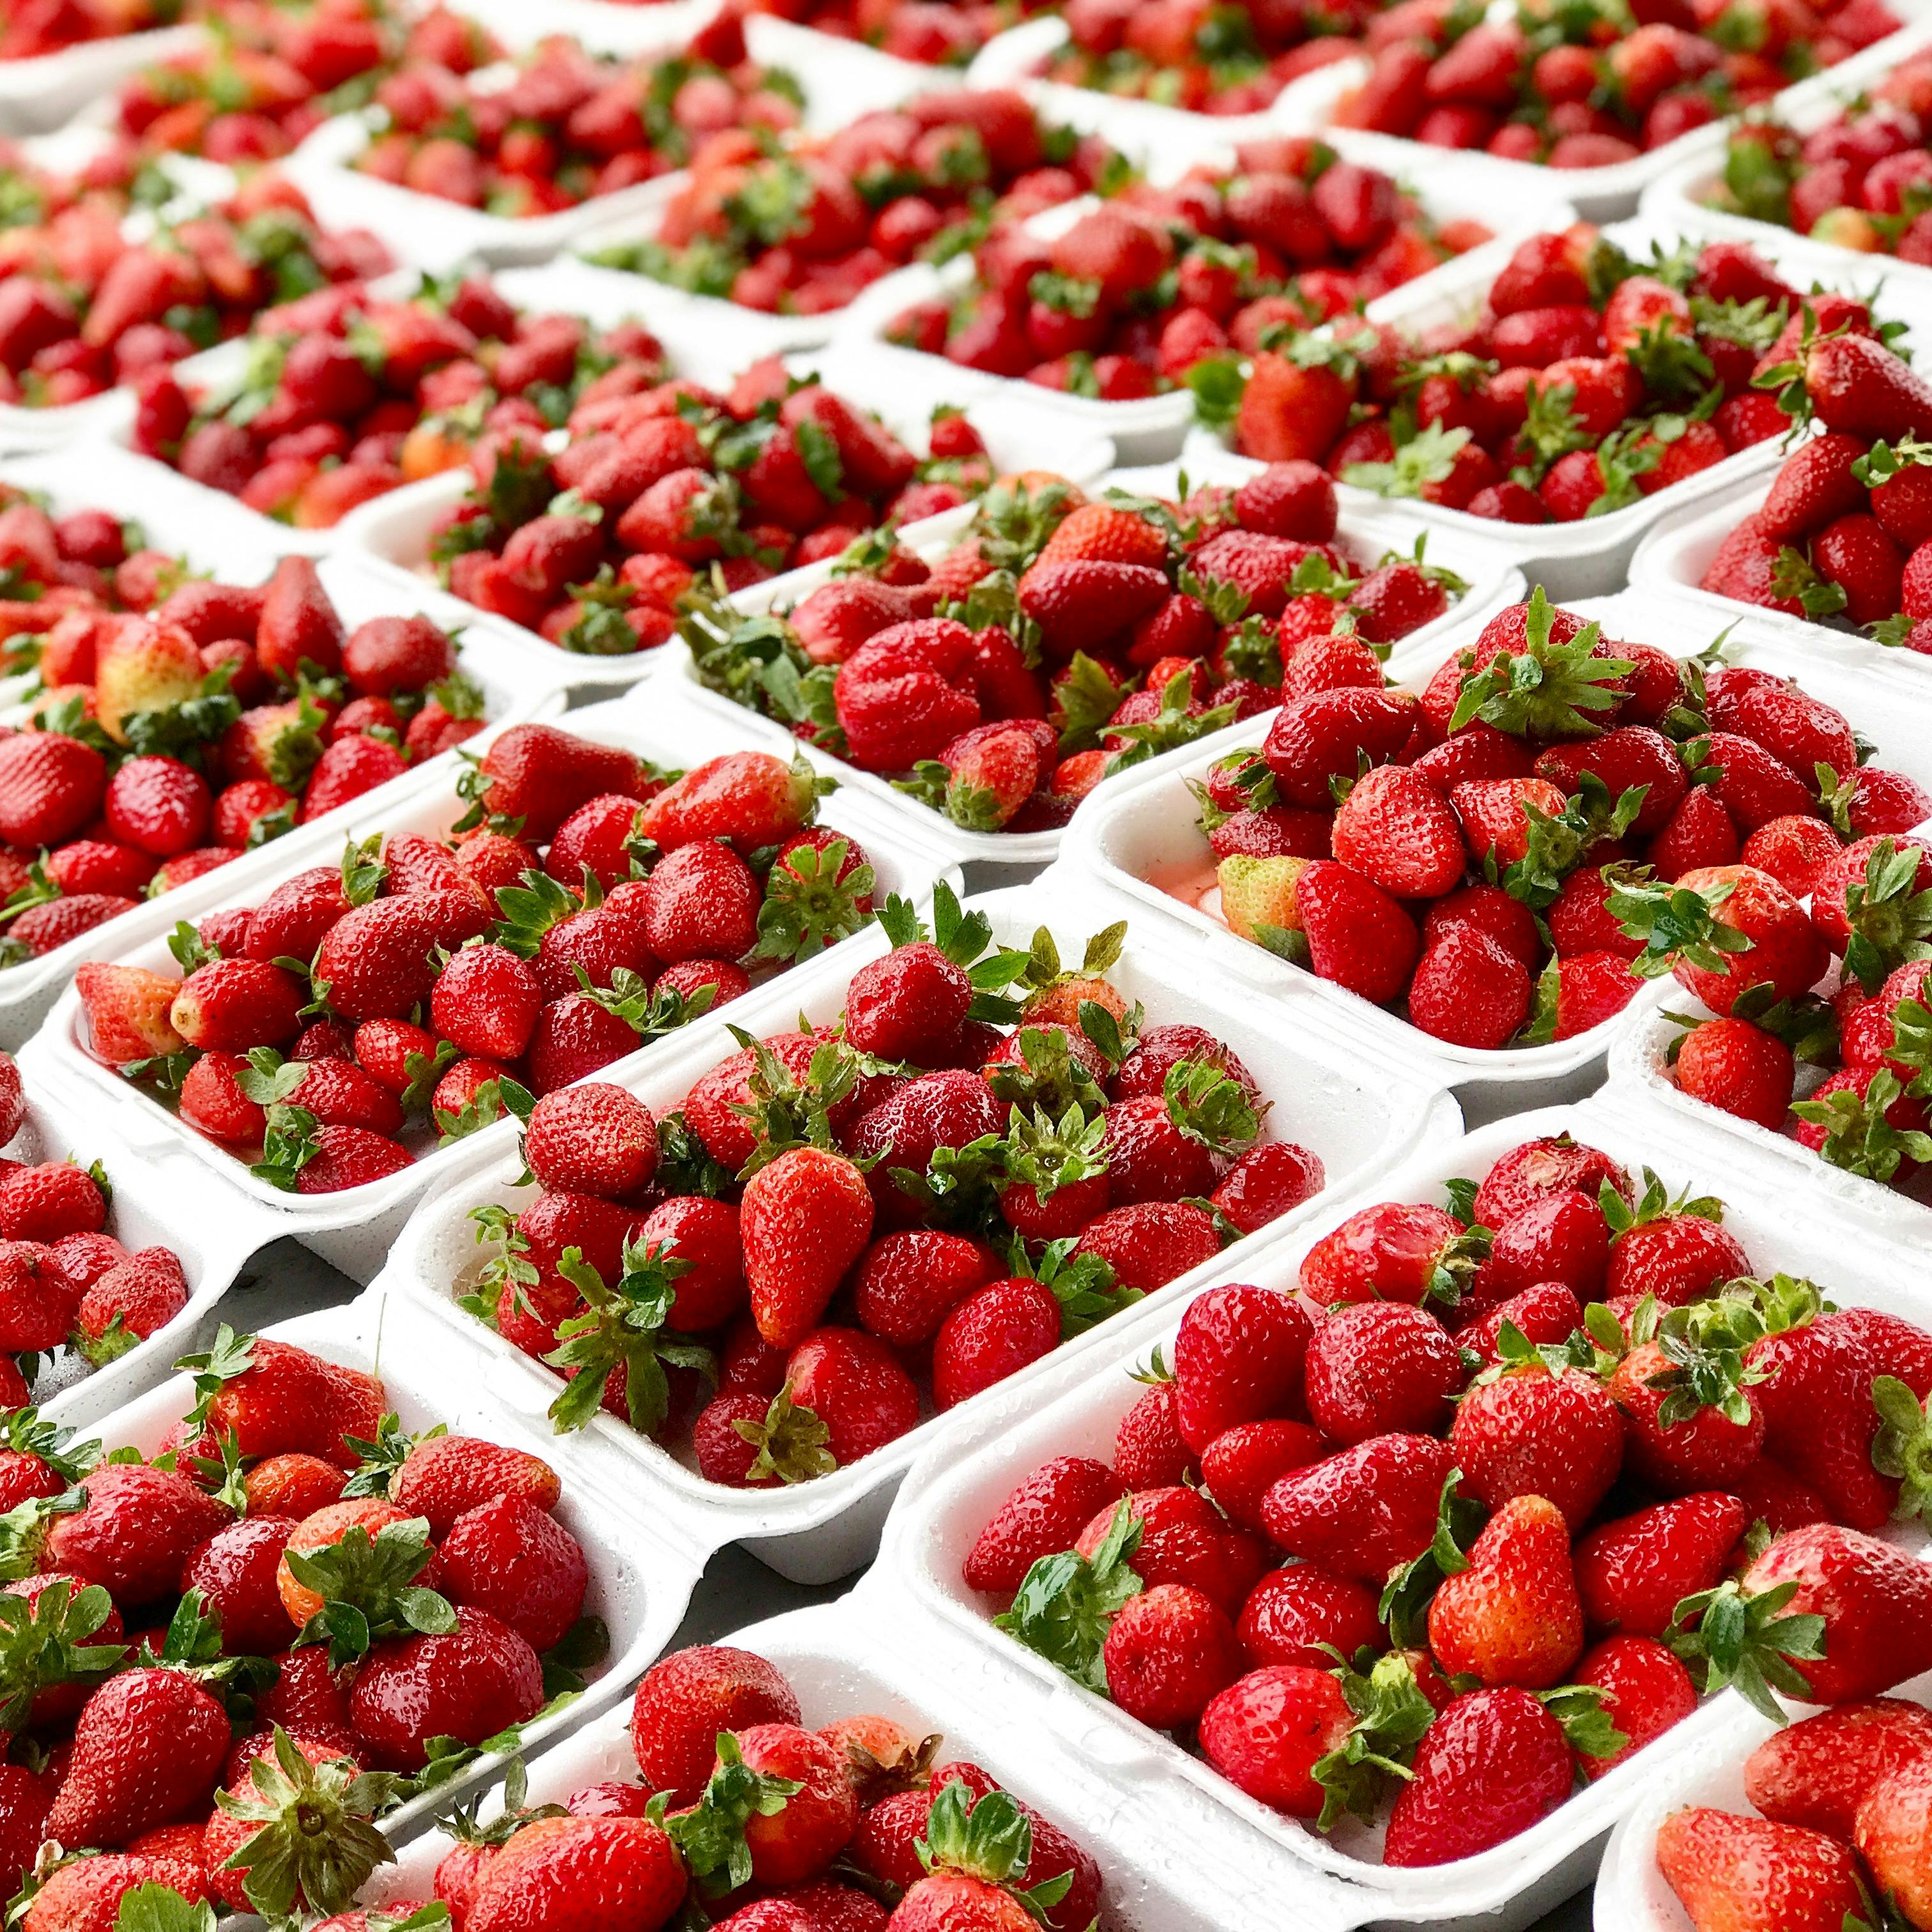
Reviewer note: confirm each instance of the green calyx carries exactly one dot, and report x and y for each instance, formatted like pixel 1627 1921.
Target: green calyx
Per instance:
pixel 1890 919
pixel 1747 1642
pixel 793 1443
pixel 1548 690
pixel 625 1324
pixel 368 1588
pixel 1858 1137
pixel 991 1839
pixel 809 905
pixel 1046 1155
pixel 1391 1713
pixel 711 1835
pixel 45 1642
pixel 1676 922
pixel 1066 1603
pixel 1209 1105
pixel 1902 1449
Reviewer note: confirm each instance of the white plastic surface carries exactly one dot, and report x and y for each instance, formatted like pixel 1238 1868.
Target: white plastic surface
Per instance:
pixel 354 1228
pixel 40 93
pixel 1152 429
pixel 1632 1894
pixel 515 686
pixel 1370 529
pixel 1592 557
pixel 1140 835
pixel 857 1656
pixel 1332 1091
pixel 147 1209
pixel 967 1474
pixel 639 1584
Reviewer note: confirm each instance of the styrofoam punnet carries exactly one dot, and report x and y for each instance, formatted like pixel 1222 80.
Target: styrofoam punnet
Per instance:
pixel 515 687
pixel 1140 837
pixel 395 530
pixel 354 1229
pixel 1369 529
pixel 1332 1092
pixel 1632 1894
pixel 1592 557
pixel 1152 429
pixel 146 1210
pixel 40 93
pixel 966 1474
pixel 640 1585
pixel 857 1655
pixel 1671 563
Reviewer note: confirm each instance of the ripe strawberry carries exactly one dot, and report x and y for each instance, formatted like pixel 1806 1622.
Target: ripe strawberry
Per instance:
pixel 1380 1368
pixel 1044 1514
pixel 1753 1875
pixel 468 1683
pixel 1467 990
pixel 624 1871
pixel 1526 1430
pixel 1493 1764
pixel 298 624
pixel 1358 937
pixel 1633 1572
pixel 1168 1653
pixel 1645 1690
pixel 1512 1615
pixel 806 1218
pixel 1362 1511
pixel 1816 1773
pixel 1397 830
pixel 147 1748
pixel 1240 1356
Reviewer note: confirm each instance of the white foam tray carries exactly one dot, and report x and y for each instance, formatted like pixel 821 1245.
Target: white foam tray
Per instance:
pixel 514 685
pixel 1144 828
pixel 1632 1895
pixel 969 1471
pixel 1372 526
pixel 1670 563
pixel 839 78
pixel 1334 1093
pixel 639 1584
pixel 394 530
pixel 1592 557
pixel 354 1228
pixel 40 93
pixel 1153 429
pixel 148 1210
pixel 857 1656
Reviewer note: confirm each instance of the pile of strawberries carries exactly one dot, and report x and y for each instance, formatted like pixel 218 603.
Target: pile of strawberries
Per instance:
pixel 585 903
pixel 572 124
pixel 183 722
pixel 278 72
pixel 35 28
pixel 801 231
pixel 1863 180
pixel 82 309
pixel 1589 382
pixel 667 491
pixel 1203 58
pixel 333 1614
pixel 1582 87
pixel 985 1154
pixel 1062 640
pixel 934 33
pixel 1840 1801
pixel 342 397
pixel 1498 1491
pixel 1511 851
pixel 1132 295
pixel 1844 535
pixel 65 1281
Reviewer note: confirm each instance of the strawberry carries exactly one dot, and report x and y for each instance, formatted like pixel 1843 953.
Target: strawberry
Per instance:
pixel 1732 1064
pixel 1240 1355
pixel 1168 1653
pixel 1632 1573
pixel 624 1869
pixel 1362 1511
pixel 1045 1513
pixel 806 1218
pixel 1644 1690
pixel 1752 1875
pixel 376 958
pixel 1512 1616
pixel 1770 939
pixel 133 1300
pixel 149 1746
pixel 684 1701
pixel 1267 1731
pixel 1467 990
pixel 1398 831
pixel 467 1684
pixel 1525 1429
pixel 994 1332
pixel 297 623
pixel 50 786
pixel 1535 1169
pixel 1357 936
pixel 1816 1772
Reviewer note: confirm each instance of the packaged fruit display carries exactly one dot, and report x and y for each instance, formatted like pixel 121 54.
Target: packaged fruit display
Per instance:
pixel 668 491
pixel 844 1228
pixel 585 902
pixel 83 307
pixel 1203 59
pixel 38 28
pixel 1515 849
pixel 572 124
pixel 800 230
pixel 1588 87
pixel 1858 180
pixel 1839 1803
pixel 239 1653
pixel 1844 535
pixel 1126 300
pixel 1061 640
pixel 343 396
pixel 934 33
pixel 72 1298
pixel 183 722
pixel 276 73
pixel 1500 1488
pixel 1589 381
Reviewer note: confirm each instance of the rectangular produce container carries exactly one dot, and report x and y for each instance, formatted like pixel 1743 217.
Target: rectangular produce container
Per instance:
pixel 1333 1092
pixel 1632 1895
pixel 1139 838
pixel 394 530
pixel 1593 557
pixel 969 1471
pixel 1153 429
pixel 639 1584
pixel 858 1656
pixel 515 686
pixel 1370 527
pixel 354 1229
